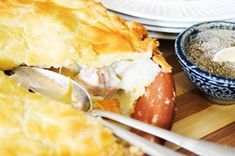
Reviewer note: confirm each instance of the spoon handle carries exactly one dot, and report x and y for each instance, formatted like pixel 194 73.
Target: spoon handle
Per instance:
pixel 199 147
pixel 145 145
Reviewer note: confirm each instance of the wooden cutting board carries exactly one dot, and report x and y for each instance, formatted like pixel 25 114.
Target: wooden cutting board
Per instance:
pixel 195 116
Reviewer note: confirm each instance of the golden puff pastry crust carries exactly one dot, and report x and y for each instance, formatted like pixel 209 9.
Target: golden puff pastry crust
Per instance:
pixel 64 33
pixel 34 125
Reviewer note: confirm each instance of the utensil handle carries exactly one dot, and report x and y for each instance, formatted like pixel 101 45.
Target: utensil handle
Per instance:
pixel 145 145
pixel 199 147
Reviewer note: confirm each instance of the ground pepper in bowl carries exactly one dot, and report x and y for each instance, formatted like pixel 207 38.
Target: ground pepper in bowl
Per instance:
pixel 206 44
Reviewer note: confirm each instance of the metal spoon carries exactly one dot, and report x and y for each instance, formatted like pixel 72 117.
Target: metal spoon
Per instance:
pixel 55 85
pixel 50 79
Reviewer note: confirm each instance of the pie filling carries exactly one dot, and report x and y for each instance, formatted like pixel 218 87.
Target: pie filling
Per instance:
pixel 124 80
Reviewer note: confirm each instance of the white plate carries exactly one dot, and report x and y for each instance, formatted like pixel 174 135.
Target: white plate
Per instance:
pixel 175 10
pixel 180 25
pixel 166 36
pixel 156 27
pixel 164 29
pixel 155 22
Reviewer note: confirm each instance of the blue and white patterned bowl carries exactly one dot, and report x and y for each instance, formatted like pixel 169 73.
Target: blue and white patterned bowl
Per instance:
pixel 214 88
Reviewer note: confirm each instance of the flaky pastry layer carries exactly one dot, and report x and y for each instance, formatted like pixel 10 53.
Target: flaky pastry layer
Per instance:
pixel 34 125
pixel 64 33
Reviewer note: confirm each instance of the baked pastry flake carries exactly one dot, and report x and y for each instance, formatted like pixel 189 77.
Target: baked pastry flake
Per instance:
pixel 34 125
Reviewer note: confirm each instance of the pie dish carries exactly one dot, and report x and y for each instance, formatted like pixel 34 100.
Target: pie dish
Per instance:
pixel 114 60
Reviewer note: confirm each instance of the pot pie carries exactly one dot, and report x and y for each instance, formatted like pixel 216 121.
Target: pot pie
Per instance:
pixel 113 59
pixel 106 54
pixel 30 125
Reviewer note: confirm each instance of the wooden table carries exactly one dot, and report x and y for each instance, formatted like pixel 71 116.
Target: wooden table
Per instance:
pixel 196 117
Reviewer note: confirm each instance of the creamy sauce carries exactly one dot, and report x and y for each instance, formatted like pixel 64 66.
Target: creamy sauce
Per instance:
pixel 125 79
pixel 125 75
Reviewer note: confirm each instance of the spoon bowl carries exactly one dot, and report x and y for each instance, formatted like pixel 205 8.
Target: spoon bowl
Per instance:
pixel 54 85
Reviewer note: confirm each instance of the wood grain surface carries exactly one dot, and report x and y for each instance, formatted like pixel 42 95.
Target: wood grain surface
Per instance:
pixel 196 117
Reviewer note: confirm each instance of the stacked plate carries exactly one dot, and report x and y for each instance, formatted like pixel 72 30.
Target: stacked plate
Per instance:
pixel 165 19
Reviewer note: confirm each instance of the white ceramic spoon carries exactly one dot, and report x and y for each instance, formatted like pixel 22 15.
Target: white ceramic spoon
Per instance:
pixel 225 55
